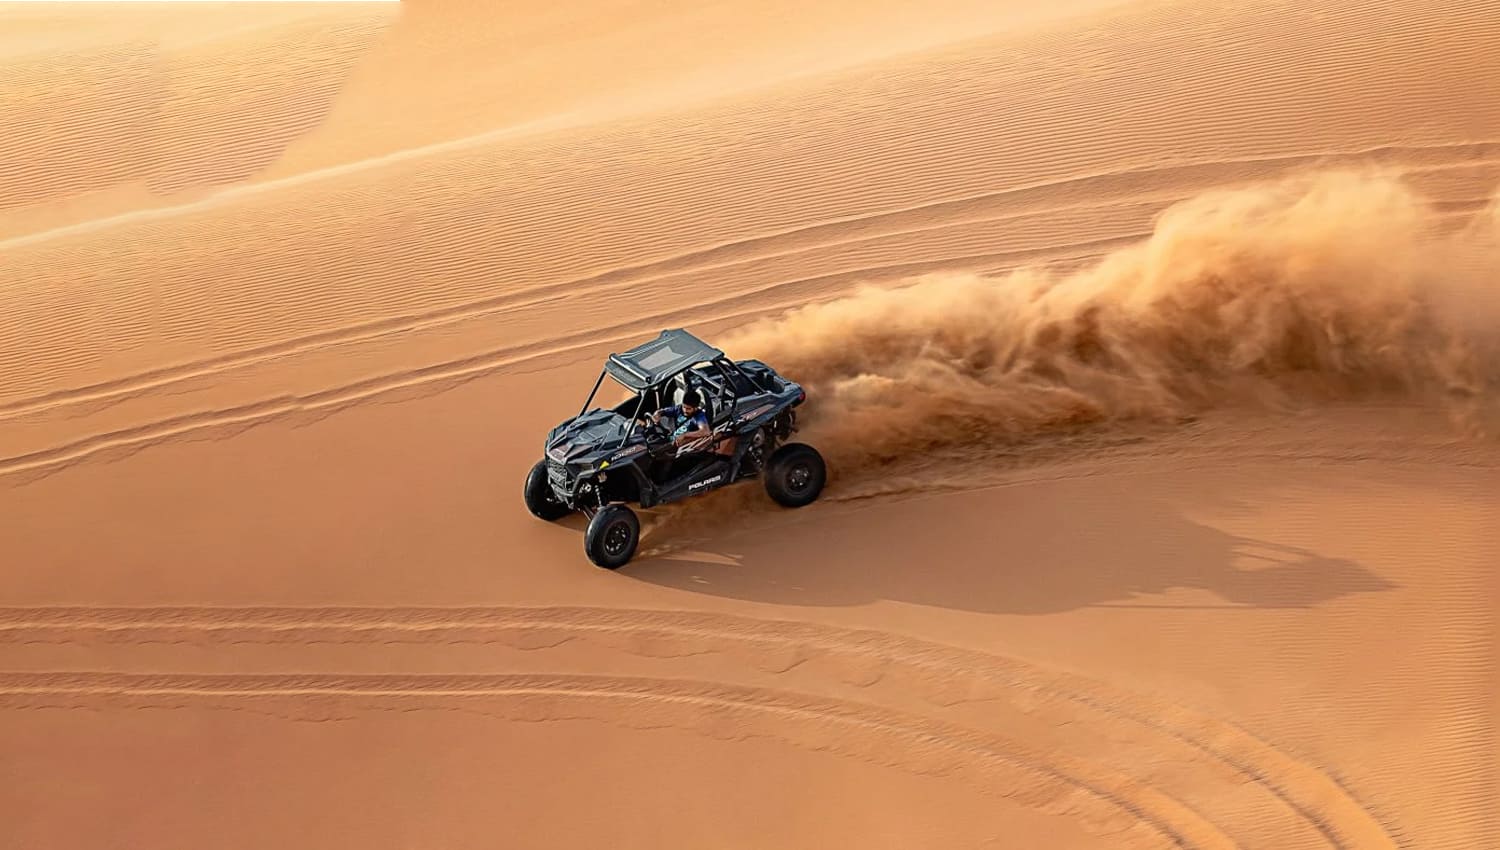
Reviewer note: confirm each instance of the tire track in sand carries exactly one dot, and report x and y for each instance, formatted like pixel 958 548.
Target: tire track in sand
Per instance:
pixel 1122 187
pixel 994 764
pixel 439 376
pixel 423 380
pixel 1040 199
pixel 939 675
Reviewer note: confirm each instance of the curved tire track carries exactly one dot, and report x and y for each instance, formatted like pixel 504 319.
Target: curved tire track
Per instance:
pixel 863 731
pixel 940 675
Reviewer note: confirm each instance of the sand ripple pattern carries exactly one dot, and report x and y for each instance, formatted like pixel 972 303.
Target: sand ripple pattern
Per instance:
pixel 171 118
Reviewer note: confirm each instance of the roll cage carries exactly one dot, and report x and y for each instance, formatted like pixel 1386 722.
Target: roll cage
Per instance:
pixel 719 380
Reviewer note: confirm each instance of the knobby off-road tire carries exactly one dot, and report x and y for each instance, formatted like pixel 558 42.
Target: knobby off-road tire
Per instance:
pixel 795 475
pixel 612 537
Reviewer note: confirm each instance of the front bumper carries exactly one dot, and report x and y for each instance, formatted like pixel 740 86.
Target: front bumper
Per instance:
pixel 572 485
pixel 557 476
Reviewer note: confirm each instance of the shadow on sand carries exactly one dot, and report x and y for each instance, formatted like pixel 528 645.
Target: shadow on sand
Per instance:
pixel 1031 550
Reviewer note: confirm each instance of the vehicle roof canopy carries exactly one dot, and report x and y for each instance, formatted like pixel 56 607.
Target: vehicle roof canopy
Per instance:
pixel 652 362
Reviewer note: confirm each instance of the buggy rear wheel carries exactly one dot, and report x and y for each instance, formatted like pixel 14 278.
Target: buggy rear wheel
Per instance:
pixel 540 500
pixel 795 475
pixel 612 536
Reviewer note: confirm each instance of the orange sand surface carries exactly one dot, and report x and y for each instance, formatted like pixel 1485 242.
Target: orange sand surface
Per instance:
pixel 1153 346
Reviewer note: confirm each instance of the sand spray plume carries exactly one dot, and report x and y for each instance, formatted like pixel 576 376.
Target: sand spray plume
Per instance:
pixel 1341 286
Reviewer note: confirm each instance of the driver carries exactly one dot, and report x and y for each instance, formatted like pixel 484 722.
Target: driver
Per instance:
pixel 688 421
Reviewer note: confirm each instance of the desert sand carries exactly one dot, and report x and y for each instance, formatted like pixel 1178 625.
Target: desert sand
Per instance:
pixel 1153 345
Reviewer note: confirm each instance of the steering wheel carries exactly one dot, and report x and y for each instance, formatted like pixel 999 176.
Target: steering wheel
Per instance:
pixel 657 433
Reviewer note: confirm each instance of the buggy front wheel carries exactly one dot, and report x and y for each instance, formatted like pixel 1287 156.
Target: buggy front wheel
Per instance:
pixel 795 474
pixel 612 536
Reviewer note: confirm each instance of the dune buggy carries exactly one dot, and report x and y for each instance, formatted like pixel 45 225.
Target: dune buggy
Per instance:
pixel 603 458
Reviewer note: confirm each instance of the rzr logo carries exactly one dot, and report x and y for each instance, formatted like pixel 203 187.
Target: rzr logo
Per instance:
pixel 706 482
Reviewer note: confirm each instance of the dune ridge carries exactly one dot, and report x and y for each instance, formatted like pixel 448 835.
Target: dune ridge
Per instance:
pixel 153 114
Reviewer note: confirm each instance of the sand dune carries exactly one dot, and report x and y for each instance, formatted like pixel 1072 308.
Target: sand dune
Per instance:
pixel 138 104
pixel 1153 345
pixel 486 227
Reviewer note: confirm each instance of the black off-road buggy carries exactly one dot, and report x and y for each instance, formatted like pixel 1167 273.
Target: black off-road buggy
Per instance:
pixel 604 457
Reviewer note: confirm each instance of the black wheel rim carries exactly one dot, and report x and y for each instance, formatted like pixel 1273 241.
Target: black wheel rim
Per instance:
pixel 799 477
pixel 616 539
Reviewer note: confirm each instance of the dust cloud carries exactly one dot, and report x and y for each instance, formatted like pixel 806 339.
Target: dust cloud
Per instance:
pixel 1322 288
